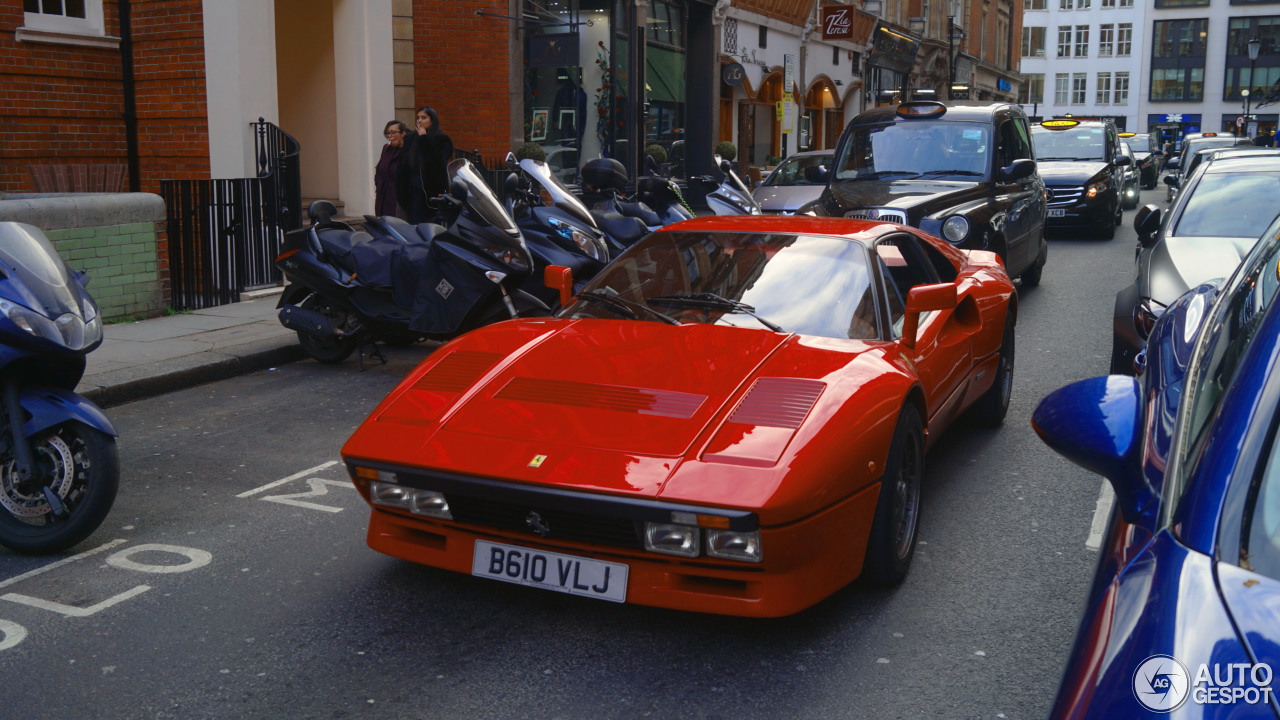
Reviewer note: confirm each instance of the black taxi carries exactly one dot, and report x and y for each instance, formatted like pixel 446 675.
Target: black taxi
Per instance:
pixel 1081 163
pixel 964 172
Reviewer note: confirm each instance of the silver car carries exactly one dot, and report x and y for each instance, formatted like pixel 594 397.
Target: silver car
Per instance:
pixel 797 181
pixel 1215 220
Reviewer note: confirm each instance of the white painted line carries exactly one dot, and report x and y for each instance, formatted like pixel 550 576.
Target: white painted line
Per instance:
pixel 291 478
pixel 72 610
pixel 12 632
pixel 1101 513
pixel 195 559
pixel 61 562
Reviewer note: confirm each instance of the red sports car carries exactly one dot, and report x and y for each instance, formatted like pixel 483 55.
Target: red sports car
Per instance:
pixel 732 417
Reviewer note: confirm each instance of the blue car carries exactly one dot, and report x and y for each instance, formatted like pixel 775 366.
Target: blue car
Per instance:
pixel 1183 617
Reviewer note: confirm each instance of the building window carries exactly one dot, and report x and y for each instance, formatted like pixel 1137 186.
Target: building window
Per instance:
pixel 1106 39
pixel 1122 88
pixel 1124 39
pixel 1082 4
pixel 1108 4
pixel 1181 3
pixel 1032 42
pixel 1082 41
pixel 1126 3
pixel 1178 58
pixel 1177 83
pixel 1032 90
pixel 1104 89
pixel 1079 84
pixel 1240 73
pixel 835 56
pixel 764 37
pixel 1035 4
pixel 1064 4
pixel 1061 89
pixel 82 17
pixel 1064 41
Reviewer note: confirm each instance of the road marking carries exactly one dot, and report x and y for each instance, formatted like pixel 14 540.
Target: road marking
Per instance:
pixel 1101 513
pixel 291 478
pixel 317 490
pixel 72 610
pixel 62 562
pixel 196 558
pixel 13 634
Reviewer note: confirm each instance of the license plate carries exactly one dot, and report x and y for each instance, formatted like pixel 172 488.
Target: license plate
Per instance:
pixel 550 571
pixel 1057 212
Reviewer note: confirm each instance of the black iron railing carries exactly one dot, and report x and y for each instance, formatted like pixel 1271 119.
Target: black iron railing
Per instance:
pixel 277 154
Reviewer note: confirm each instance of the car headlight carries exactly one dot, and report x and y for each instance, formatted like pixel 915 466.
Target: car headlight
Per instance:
pixel 589 245
pixel 683 540
pixel 1145 315
pixel 744 546
pixel 955 229
pixel 1092 190
pixel 69 330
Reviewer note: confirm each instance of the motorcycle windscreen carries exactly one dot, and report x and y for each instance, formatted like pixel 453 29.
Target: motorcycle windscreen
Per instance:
pixel 480 199
pixel 560 195
pixel 441 288
pixel 44 284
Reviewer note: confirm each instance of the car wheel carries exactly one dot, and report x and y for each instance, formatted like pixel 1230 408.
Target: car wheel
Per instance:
pixel 1119 216
pixel 991 408
pixel 1107 230
pixel 1031 276
pixel 328 350
pixel 892 543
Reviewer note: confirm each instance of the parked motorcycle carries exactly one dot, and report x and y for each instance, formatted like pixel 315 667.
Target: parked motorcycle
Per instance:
pixel 657 200
pixel 59 469
pixel 730 196
pixel 349 288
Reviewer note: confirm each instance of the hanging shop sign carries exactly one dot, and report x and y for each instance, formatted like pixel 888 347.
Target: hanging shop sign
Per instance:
pixel 893 49
pixel 558 50
pixel 733 74
pixel 837 22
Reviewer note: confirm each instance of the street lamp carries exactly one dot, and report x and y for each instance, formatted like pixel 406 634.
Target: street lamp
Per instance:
pixel 1254 46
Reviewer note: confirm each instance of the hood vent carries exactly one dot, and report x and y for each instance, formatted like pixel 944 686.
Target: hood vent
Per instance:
pixel 644 401
pixel 457 371
pixel 777 402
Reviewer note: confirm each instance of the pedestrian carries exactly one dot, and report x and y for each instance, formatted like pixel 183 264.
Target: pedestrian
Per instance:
pixel 423 172
pixel 384 173
pixel 1263 139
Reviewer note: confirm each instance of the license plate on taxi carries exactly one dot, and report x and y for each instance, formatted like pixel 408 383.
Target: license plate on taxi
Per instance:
pixel 550 571
pixel 1057 212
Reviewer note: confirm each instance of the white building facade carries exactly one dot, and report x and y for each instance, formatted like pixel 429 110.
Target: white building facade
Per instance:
pixel 1083 58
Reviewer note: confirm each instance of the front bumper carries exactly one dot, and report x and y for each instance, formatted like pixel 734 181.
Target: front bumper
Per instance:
pixel 1070 208
pixel 803 562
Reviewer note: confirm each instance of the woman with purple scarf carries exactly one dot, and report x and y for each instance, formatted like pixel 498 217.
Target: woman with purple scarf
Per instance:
pixel 385 172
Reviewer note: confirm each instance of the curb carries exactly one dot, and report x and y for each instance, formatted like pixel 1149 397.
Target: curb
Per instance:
pixel 181 378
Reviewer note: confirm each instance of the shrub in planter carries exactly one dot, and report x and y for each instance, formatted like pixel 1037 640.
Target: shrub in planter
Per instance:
pixel 727 150
pixel 657 152
pixel 533 151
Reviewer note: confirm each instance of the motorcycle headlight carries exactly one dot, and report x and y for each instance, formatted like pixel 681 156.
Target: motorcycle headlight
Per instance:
pixel 589 245
pixel 68 329
pixel 1092 190
pixel 513 257
pixel 955 229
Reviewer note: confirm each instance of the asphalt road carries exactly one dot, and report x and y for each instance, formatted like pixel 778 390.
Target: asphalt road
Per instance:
pixel 232 578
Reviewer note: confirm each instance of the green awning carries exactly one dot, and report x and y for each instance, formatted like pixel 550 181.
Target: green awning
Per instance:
pixel 664 74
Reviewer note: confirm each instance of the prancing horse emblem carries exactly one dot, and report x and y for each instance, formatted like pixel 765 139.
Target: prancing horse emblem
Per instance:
pixel 537 524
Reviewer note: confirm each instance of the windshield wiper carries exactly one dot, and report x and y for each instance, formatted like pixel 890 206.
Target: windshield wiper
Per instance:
pixel 1059 158
pixel 951 172
pixel 623 306
pixel 879 174
pixel 714 302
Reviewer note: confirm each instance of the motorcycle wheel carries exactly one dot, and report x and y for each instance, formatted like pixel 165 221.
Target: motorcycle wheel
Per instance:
pixel 328 350
pixel 81 466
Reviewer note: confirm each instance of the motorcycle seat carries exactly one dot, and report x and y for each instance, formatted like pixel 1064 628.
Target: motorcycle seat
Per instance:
pixel 428 231
pixel 338 244
pixel 625 230
pixel 641 211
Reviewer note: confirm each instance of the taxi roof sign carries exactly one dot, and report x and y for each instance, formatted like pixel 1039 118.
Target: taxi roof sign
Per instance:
pixel 1126 134
pixel 1210 134
pixel 1059 124
pixel 922 109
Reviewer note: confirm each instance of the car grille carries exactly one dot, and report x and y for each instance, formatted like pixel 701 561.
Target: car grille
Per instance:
pixel 1061 196
pixel 895 216
pixel 564 525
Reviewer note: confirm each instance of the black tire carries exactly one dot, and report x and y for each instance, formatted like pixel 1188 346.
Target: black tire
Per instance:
pixel 892 543
pixel 1031 276
pixel 1118 218
pixel 82 466
pixel 991 408
pixel 328 350
pixel 1107 230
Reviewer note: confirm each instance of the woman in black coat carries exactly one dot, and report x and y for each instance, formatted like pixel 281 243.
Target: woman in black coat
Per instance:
pixel 424 163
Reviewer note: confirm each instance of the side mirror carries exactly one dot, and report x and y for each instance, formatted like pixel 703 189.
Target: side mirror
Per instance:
pixel 1147 224
pixel 726 167
pixel 1097 424
pixel 559 277
pixel 1018 170
pixel 1121 160
pixel 1172 163
pixel 924 298
pixel 458 189
pixel 512 163
pixel 511 186
pixel 1171 181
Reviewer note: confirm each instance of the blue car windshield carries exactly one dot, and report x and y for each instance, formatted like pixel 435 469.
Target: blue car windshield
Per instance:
pixel 28 255
pixel 916 148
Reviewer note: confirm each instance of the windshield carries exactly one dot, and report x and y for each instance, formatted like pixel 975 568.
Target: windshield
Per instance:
pixel 1139 143
pixel 1077 143
pixel 480 198
pixel 26 254
pixel 1230 205
pixel 913 149
pixel 758 271
pixel 560 195
pixel 807 170
pixel 1194 146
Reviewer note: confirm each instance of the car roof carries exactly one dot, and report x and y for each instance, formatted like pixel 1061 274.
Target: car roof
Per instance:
pixel 1079 124
pixel 958 111
pixel 1244 163
pixel 810 153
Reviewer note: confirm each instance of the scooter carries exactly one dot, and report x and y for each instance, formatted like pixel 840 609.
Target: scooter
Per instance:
pixel 656 203
pixel 350 289
pixel 59 469
pixel 730 196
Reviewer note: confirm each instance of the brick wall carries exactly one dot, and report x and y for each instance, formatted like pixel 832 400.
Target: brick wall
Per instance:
pixel 462 71
pixel 65 104
pixel 123 264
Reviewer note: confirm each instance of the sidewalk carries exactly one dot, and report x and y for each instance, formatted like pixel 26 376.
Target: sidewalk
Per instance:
pixel 151 357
